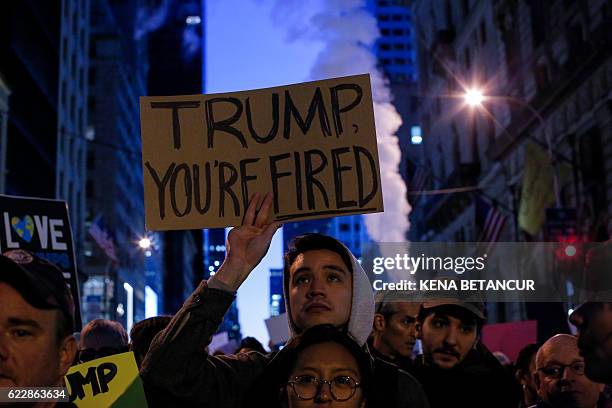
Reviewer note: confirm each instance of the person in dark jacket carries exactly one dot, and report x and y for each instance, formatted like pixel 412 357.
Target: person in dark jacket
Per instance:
pixel 594 323
pixel 525 371
pixel 101 338
pixel 323 284
pixel 37 346
pixel 394 332
pixel 455 368
pixel 142 335
pixel 593 319
pixel 250 344
pixel 560 378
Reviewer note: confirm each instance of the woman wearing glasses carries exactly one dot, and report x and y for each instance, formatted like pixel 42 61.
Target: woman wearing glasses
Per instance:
pixel 321 367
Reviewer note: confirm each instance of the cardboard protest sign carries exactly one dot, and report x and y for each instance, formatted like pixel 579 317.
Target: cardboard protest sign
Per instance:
pixel 312 144
pixel 106 382
pixel 42 227
pixel 278 328
pixel 222 342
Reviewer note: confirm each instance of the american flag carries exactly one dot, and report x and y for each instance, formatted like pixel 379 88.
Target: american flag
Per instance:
pixel 491 220
pixel 103 238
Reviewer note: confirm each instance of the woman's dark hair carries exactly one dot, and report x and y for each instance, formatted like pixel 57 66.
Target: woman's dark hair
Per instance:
pixel 525 355
pixel 142 335
pixel 251 343
pixel 278 370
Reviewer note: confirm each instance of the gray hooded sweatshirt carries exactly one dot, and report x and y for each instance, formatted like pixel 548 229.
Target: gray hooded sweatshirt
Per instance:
pixel 362 306
pixel 178 371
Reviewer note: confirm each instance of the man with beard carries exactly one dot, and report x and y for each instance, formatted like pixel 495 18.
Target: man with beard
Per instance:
pixel 560 378
pixel 455 369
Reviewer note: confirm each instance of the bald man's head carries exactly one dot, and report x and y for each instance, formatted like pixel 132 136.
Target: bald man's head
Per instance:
pixel 558 342
pixel 560 378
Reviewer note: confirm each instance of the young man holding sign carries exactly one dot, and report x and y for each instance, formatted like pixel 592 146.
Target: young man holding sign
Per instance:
pixel 323 285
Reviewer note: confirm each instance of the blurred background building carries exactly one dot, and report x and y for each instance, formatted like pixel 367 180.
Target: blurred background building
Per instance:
pixel 117 77
pixel 544 71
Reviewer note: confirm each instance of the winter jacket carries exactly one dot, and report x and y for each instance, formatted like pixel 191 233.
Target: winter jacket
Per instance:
pixel 477 382
pixel 178 371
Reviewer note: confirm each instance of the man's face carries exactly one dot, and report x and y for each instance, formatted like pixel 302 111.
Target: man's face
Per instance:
pixel 396 332
pixel 446 340
pixel 29 351
pixel 320 289
pixel 594 324
pixel 560 378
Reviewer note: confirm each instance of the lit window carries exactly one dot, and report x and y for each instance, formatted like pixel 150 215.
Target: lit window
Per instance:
pixel 193 20
pixel 415 135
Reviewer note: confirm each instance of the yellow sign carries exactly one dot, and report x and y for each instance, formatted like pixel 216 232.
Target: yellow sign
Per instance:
pixel 313 145
pixel 538 189
pixel 111 381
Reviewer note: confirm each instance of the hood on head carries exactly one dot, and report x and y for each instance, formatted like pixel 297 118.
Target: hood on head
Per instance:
pixel 361 317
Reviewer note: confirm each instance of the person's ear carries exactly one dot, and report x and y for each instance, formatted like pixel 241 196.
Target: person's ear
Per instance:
pixel 519 376
pixel 536 381
pixel 476 341
pixel 67 352
pixel 419 330
pixel 379 322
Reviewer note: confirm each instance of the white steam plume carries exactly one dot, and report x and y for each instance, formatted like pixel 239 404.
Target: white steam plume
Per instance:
pixel 348 32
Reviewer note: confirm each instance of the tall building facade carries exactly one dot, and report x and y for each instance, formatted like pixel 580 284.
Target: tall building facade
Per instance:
pixel 351 231
pixel 277 295
pixel 71 151
pixel 175 68
pixel 4 115
pixel 214 254
pixel 545 67
pixel 117 78
pixel 395 47
pixel 29 68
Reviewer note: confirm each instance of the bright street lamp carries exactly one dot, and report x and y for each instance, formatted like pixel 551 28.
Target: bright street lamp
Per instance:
pixel 474 97
pixel 144 243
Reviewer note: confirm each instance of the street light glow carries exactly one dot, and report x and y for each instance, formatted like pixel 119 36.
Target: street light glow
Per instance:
pixel 144 243
pixel 473 97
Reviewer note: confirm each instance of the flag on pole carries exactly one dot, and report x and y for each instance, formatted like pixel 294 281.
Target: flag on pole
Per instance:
pixel 491 222
pixel 103 238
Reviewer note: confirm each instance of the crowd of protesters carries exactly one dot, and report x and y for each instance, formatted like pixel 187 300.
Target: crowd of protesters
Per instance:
pixel 347 349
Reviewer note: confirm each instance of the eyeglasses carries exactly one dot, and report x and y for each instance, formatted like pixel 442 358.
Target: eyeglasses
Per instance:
pixel 90 354
pixel 556 370
pixel 341 388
